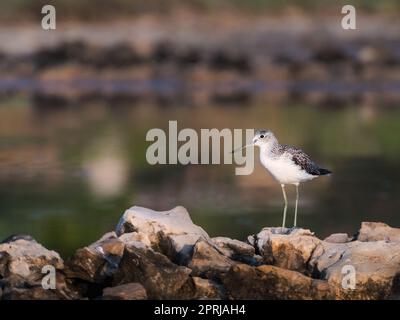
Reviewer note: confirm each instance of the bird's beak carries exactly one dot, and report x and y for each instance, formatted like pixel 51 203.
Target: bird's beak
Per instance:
pixel 241 148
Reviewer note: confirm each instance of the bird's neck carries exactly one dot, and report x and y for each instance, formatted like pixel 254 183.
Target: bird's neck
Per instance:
pixel 267 149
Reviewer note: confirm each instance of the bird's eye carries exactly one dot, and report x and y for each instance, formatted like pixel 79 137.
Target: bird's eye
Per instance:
pixel 262 136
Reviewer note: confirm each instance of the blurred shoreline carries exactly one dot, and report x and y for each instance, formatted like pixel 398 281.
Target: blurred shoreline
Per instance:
pixel 198 59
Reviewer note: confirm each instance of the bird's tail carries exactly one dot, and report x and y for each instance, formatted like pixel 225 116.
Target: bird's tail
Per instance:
pixel 323 172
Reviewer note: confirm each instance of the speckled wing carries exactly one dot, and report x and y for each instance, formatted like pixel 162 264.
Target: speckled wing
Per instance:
pixel 302 160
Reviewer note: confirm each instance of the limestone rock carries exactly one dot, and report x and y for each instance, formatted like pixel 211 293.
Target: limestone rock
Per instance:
pixel 98 261
pixel 270 282
pixel 338 238
pixel 18 288
pixel 171 232
pixel 375 231
pixel 163 255
pixel 22 261
pixel 376 266
pixel 128 291
pixel 288 249
pixel 237 250
pixel 32 293
pixel 207 289
pixel 162 278
pixel 207 261
pixel 26 258
pixel 134 237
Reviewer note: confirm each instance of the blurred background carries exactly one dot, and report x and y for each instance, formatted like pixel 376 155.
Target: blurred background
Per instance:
pixel 76 104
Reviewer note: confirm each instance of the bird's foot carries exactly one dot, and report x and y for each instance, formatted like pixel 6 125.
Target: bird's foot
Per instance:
pixel 287 231
pixel 293 229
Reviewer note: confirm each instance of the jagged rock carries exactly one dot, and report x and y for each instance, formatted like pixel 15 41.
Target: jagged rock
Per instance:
pixel 288 249
pixel 237 250
pixel 162 278
pixel 207 289
pixel 133 237
pixel 207 261
pixel 18 288
pixel 338 238
pixel 376 265
pixel 97 262
pixel 26 258
pixel 171 232
pixel 86 264
pixel 375 231
pixel 22 261
pixel 142 260
pixel 12 292
pixel 128 291
pixel 270 282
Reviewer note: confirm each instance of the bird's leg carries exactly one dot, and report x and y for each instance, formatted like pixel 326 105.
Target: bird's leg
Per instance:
pixel 285 209
pixel 297 202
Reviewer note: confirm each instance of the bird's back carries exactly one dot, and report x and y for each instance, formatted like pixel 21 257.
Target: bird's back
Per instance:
pixel 301 159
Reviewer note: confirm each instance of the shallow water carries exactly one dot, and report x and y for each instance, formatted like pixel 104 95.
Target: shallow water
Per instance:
pixel 68 172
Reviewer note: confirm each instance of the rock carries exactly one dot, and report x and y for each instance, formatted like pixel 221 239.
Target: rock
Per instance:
pixel 26 258
pixel 237 250
pixel 171 232
pixel 22 260
pixel 17 288
pixel 376 263
pixel 128 291
pixel 338 238
pixel 207 261
pixel 134 237
pixel 86 264
pixel 288 249
pixel 375 231
pixel 270 282
pixel 4 258
pixel 208 289
pixel 163 255
pixel 16 237
pixel 97 262
pixel 12 292
pixel 376 266
pixel 162 278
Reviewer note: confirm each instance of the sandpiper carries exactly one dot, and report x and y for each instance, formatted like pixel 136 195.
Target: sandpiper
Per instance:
pixel 287 164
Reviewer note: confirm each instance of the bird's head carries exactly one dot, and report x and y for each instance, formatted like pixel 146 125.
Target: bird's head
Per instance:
pixel 264 137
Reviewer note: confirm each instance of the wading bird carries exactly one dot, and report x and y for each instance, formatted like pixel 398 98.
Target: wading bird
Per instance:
pixel 287 164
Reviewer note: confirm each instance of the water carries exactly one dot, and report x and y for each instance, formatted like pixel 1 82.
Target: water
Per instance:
pixel 68 172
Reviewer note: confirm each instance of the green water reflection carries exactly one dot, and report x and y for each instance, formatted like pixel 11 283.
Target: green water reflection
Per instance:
pixel 67 174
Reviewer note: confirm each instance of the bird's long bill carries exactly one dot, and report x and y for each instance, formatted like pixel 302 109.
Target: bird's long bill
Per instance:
pixel 241 148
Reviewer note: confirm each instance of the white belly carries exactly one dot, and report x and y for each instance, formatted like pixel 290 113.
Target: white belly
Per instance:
pixel 285 171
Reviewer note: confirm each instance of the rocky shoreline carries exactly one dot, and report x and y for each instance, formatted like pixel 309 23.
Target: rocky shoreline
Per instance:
pixel 163 255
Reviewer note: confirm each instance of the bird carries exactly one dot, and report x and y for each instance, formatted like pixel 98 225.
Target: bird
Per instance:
pixel 287 164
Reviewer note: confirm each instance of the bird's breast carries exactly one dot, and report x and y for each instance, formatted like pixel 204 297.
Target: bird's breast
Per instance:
pixel 284 170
